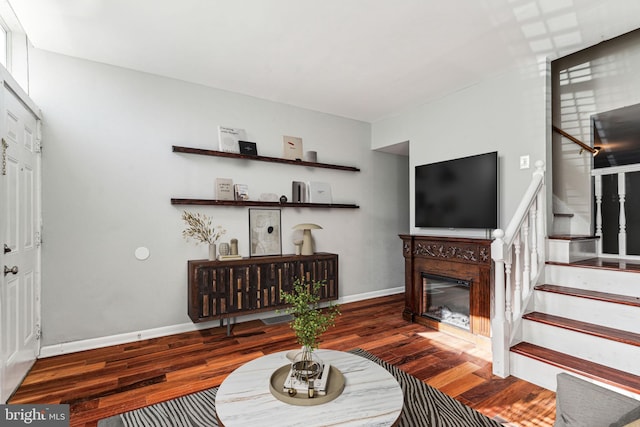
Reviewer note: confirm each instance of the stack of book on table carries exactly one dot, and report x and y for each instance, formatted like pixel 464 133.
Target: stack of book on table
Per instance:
pixel 302 386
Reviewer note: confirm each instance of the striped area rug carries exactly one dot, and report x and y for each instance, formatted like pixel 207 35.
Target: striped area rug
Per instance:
pixel 424 406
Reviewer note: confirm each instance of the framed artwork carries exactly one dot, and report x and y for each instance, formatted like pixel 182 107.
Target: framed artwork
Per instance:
pixel 248 148
pixel 265 237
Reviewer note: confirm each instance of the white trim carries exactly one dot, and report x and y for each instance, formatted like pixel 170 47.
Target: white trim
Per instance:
pixel 615 170
pixel 620 257
pixel 371 295
pixel 10 82
pixel 93 343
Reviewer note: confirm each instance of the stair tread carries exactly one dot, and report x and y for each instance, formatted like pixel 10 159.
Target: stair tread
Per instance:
pixel 605 332
pixel 572 237
pixel 600 263
pixel 596 295
pixel 601 373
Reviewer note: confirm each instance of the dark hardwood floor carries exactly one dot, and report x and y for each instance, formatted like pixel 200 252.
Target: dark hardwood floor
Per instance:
pixel 104 382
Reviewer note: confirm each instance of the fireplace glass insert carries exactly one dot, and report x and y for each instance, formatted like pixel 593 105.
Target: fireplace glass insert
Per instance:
pixel 446 300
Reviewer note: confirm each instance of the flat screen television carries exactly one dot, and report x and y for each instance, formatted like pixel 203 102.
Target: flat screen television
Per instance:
pixel 458 193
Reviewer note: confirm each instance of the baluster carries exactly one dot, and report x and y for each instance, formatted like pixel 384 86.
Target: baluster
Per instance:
pixel 622 235
pixel 517 291
pixel 598 195
pixel 526 274
pixel 541 232
pixel 534 238
pixel 508 310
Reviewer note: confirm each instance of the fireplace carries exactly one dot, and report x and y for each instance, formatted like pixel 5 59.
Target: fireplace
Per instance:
pixel 446 300
pixel 449 257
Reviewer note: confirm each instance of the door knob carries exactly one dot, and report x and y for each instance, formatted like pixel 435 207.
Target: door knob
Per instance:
pixel 12 270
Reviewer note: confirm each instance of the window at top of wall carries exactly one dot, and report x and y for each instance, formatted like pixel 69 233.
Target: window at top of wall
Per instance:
pixel 3 45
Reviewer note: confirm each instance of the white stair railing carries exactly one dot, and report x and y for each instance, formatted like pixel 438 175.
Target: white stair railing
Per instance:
pixel 620 174
pixel 518 255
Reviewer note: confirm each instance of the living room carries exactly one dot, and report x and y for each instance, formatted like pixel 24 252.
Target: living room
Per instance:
pixel 108 172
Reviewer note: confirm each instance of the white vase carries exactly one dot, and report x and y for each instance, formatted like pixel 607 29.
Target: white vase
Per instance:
pixel 212 251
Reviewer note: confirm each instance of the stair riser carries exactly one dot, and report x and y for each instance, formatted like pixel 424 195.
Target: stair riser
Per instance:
pixel 571 250
pixel 612 315
pixel 606 352
pixel 544 374
pixel 534 371
pixel 615 282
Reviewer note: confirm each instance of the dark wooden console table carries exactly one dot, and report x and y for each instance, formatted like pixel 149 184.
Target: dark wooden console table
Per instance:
pixel 225 289
pixel 464 259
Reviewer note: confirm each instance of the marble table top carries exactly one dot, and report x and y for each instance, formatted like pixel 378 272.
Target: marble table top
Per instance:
pixel 371 396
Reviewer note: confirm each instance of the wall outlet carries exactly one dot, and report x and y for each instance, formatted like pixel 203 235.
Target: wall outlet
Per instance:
pixel 524 162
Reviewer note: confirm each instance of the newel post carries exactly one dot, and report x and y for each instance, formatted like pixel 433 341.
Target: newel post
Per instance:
pixel 499 324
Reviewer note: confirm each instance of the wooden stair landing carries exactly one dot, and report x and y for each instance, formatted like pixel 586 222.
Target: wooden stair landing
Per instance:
pixel 605 332
pixel 585 368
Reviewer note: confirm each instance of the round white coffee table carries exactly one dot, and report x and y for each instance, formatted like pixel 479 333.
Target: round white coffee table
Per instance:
pixel 371 395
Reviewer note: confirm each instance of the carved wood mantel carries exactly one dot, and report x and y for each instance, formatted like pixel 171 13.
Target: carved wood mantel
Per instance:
pixel 459 258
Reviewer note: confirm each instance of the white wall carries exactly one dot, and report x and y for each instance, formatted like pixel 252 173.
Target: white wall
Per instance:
pixel 598 79
pixel 109 174
pixel 506 113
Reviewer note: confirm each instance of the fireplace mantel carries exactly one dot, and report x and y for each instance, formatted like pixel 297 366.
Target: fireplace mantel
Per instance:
pixel 460 258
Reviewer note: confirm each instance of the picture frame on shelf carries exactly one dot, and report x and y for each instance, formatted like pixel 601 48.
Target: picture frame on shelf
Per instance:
pixel 248 148
pixel 265 232
pixel 319 192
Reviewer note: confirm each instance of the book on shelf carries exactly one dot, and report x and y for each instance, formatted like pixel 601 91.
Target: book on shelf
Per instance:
pixel 301 386
pixel 241 191
pixel 228 257
pixel 229 138
pixel 224 189
pixel 292 147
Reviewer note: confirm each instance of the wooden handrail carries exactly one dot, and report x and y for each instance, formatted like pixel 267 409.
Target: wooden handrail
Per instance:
pixel 575 140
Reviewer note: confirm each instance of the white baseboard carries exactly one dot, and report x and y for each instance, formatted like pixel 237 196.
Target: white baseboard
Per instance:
pixel 93 343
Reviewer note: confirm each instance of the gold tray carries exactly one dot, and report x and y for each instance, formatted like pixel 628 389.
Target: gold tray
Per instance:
pixel 335 385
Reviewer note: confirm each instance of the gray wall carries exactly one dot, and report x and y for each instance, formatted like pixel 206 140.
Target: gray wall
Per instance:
pixel 109 174
pixel 598 79
pixel 507 113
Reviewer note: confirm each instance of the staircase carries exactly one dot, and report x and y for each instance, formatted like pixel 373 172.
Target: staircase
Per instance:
pixel 584 320
pixel 560 308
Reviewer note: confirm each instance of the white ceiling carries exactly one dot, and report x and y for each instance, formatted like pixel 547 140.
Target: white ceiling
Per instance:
pixel 362 59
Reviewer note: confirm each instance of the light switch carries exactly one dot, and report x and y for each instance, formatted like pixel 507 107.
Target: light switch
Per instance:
pixel 524 162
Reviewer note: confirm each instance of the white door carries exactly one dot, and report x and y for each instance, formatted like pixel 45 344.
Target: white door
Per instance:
pixel 19 235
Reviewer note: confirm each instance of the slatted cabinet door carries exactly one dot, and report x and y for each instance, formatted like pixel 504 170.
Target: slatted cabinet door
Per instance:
pixel 223 289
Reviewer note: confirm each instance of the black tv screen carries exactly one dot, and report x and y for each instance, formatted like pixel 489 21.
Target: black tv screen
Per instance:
pixel 459 193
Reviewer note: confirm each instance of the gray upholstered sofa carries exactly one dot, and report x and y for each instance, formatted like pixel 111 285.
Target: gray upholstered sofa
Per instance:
pixel 584 404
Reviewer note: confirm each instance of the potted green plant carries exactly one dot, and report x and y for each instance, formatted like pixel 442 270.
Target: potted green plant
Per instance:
pixel 309 323
pixel 200 228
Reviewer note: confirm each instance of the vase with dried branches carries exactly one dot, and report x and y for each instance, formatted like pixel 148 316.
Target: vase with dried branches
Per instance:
pixel 201 229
